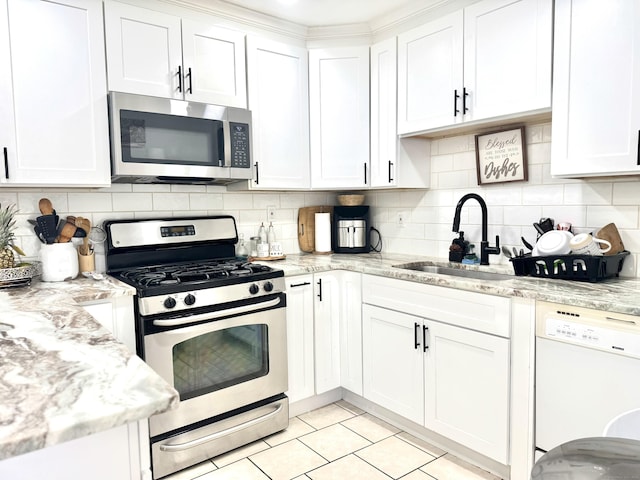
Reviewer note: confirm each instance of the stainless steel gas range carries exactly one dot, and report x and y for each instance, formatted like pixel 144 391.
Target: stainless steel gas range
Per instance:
pixel 211 325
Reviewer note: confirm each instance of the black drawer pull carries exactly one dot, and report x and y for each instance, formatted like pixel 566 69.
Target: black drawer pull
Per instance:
pixel 180 78
pixel 424 338
pixel 294 285
pixel 416 343
pixel 320 289
pixel 455 103
pixel 6 163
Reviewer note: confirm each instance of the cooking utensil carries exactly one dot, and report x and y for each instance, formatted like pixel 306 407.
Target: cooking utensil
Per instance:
pixel 47 227
pixel 84 224
pixel 66 233
pixel 515 252
pixel 526 244
pixel 45 206
pixel 507 252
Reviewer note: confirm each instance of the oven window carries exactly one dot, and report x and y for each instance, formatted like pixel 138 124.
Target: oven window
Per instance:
pixel 171 139
pixel 220 359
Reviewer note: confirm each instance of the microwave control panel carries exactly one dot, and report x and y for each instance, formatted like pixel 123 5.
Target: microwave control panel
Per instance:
pixel 240 157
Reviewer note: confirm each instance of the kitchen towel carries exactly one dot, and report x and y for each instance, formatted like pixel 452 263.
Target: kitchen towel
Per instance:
pixel 323 233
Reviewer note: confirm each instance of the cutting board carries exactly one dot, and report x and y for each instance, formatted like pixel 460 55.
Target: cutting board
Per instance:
pixel 306 225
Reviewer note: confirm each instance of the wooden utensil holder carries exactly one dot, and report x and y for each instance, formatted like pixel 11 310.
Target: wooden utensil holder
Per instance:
pixel 87 263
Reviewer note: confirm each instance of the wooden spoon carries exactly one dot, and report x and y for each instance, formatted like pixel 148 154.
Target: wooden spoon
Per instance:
pixel 84 224
pixel 66 233
pixel 45 206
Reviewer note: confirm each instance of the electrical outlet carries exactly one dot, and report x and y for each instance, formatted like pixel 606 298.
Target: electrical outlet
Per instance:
pixel 400 219
pixel 271 213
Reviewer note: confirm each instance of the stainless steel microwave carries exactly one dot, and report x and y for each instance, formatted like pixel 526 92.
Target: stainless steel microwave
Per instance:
pixel 161 140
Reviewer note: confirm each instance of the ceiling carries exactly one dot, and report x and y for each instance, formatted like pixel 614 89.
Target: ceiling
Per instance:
pixel 316 13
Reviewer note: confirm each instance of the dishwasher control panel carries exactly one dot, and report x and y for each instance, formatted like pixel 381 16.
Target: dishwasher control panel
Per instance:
pixel 613 333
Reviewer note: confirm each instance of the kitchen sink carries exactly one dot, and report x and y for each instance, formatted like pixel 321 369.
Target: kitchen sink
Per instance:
pixel 428 267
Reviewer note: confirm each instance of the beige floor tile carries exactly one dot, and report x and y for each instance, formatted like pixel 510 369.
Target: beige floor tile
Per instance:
pixel 296 429
pixel 287 460
pixel 334 442
pixel 370 427
pixel 193 472
pixel 395 457
pixel 325 416
pixel 449 467
pixel 417 442
pixel 347 468
pixel 417 475
pixel 240 470
pixel 239 453
pixel 351 408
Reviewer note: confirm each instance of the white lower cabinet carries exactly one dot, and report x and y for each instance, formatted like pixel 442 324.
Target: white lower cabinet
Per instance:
pixel 431 370
pixel 300 337
pixel 324 333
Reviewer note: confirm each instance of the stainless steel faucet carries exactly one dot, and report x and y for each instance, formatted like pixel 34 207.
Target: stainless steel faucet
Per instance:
pixel 485 249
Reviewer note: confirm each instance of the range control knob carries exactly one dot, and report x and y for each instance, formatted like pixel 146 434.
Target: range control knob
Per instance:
pixel 189 299
pixel 170 302
pixel 268 286
pixel 253 289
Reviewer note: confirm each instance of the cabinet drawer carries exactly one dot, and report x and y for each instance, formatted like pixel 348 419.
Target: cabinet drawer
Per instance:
pixel 476 311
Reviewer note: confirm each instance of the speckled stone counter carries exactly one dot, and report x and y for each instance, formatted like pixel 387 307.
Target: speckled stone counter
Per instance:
pixel 613 295
pixel 64 376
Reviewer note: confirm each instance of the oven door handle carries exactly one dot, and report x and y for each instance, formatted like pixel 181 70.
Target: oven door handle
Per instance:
pixel 172 322
pixel 178 447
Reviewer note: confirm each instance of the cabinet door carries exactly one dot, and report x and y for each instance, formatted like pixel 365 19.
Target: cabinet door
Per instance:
pixel 339 117
pixel 53 100
pixel 430 75
pixel 278 78
pixel 214 64
pixel 507 57
pixel 393 361
pixel 467 388
pixel 384 87
pixel 351 332
pixel 327 331
pixel 144 51
pixel 300 337
pixel 596 93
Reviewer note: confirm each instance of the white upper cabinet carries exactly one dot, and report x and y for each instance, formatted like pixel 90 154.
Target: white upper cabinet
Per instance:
pixel 278 78
pixel 489 60
pixel 596 88
pixel 394 162
pixel 339 117
pixel 430 75
pixel 158 54
pixel 53 107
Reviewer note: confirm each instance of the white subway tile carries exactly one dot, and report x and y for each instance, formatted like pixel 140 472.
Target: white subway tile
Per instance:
pixel 89 202
pixel 588 193
pixel 237 201
pixel 206 201
pixel 151 187
pixel 132 202
pixel 170 201
pixel 543 195
pixel 627 193
pixel 441 163
pixel 622 216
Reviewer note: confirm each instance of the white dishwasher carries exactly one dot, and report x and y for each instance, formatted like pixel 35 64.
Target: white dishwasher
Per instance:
pixel 587 371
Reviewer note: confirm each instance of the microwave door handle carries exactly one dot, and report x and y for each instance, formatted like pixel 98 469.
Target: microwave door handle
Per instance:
pixel 226 133
pixel 173 322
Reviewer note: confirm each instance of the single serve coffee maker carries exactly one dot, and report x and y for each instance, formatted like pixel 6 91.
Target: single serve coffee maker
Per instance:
pixel 351 229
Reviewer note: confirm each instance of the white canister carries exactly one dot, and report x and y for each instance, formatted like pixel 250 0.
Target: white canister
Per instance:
pixel 59 262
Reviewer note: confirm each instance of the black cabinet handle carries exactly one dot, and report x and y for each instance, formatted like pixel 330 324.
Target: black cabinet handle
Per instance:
pixel 320 289
pixel 465 109
pixel 190 89
pixel 390 166
pixel 455 103
pixel 257 180
pixel 365 173
pixel 416 328
pixel 294 285
pixel 424 338
pixel 180 78
pixel 6 163
pixel 5 155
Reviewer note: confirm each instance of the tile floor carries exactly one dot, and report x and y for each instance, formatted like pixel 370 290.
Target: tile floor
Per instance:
pixel 336 442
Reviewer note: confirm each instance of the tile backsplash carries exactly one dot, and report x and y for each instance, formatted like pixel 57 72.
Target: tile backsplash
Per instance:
pixel 427 215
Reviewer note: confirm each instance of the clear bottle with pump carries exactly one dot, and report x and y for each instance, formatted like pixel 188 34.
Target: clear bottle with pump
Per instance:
pixel 262 233
pixel 271 234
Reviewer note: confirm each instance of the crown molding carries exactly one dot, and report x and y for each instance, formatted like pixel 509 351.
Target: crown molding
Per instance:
pixel 243 16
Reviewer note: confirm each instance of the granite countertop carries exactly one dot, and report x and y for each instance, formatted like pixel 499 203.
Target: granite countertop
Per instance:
pixel 618 295
pixel 63 375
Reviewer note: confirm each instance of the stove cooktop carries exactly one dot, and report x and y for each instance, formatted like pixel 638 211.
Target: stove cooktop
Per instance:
pixel 159 279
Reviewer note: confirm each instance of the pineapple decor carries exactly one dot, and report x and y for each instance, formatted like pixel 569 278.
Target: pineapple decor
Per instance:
pixel 7 237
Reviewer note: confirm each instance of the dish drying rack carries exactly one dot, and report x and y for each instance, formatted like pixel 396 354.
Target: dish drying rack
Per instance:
pixel 587 268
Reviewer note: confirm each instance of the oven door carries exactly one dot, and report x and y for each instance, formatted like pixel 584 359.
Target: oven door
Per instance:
pixel 232 358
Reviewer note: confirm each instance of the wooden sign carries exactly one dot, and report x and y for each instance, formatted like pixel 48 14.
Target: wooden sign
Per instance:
pixel 501 156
